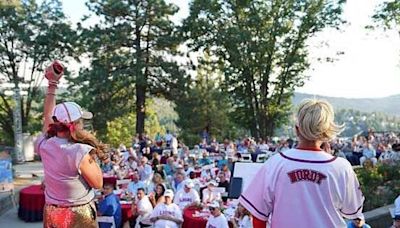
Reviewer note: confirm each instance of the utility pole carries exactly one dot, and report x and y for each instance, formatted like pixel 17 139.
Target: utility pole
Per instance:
pixel 18 141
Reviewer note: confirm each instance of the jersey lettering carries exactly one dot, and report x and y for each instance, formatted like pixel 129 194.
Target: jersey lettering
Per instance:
pixel 171 213
pixel 306 175
pixel 185 200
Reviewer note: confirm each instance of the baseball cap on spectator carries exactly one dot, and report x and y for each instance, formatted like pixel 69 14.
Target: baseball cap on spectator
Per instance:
pixel 68 112
pixel 214 204
pixel 189 184
pixel 169 193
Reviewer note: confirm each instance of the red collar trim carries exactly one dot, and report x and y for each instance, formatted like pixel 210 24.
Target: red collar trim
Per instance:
pixel 309 148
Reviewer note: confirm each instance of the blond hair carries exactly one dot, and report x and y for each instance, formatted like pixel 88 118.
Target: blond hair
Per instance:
pixel 315 121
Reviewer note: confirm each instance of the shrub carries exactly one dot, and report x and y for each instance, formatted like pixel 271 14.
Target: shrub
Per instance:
pixel 380 184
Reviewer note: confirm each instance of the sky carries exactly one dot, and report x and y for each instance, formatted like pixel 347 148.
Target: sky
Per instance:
pixel 368 68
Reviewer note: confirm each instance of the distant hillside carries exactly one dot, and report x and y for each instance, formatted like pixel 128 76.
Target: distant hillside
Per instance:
pixel 389 105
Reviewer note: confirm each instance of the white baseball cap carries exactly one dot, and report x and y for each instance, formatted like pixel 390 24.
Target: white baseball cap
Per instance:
pixel 68 112
pixel 214 204
pixel 189 184
pixel 169 193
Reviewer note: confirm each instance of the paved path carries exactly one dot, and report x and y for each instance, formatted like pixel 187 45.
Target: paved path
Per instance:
pixel 10 220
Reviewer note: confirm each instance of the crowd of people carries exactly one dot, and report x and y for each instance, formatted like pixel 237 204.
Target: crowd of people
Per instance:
pixel 166 180
pixel 190 177
pixel 165 177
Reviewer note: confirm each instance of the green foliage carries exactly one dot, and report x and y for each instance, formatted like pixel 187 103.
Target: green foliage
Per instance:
pixel 388 14
pixel 205 106
pixel 122 129
pixel 379 184
pixel 357 121
pixel 166 113
pixel 261 48
pixel 130 52
pixel 31 35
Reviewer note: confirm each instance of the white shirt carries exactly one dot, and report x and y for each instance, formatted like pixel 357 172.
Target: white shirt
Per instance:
pixel 315 187
pixel 144 205
pixel 145 172
pixel 174 145
pixel 217 222
pixel 209 196
pixel 397 206
pixel 164 209
pixel 132 165
pixel 168 137
pixel 125 155
pixel 263 147
pixel 133 187
pixel 182 199
pixel 245 222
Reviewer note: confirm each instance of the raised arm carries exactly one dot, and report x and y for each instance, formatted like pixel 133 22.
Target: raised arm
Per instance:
pixel 53 74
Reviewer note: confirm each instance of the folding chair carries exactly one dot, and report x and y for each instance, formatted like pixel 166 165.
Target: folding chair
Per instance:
pixel 261 158
pixel 246 158
pixel 106 219
pixel 122 184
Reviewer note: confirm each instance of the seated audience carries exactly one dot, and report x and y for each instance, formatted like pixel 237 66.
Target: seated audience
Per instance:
pixel 187 196
pixel 216 219
pixel 143 209
pixel 167 214
pixel 135 184
pixel 209 195
pixel 242 219
pixel 157 196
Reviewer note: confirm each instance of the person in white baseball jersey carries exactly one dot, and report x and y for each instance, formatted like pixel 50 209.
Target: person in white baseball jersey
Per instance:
pixel 167 214
pixel 216 219
pixel 306 187
pixel 396 215
pixel 187 196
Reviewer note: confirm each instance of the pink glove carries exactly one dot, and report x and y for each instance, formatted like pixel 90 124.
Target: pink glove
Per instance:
pixel 54 72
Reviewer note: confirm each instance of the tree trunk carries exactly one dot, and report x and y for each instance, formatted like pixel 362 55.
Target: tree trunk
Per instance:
pixel 140 84
pixel 140 108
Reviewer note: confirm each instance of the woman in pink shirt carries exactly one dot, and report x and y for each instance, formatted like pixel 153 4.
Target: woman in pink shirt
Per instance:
pixel 68 155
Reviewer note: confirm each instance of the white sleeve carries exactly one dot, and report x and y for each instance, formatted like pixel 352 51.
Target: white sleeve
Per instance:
pixel 397 206
pixel 205 196
pixel 38 142
pixel 223 223
pixel 208 221
pixel 353 197
pixel 259 196
pixel 176 198
pixel 196 196
pixel 81 151
pixel 246 222
pixel 148 170
pixel 178 213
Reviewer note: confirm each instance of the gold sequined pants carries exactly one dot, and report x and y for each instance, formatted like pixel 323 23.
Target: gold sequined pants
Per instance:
pixel 83 216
